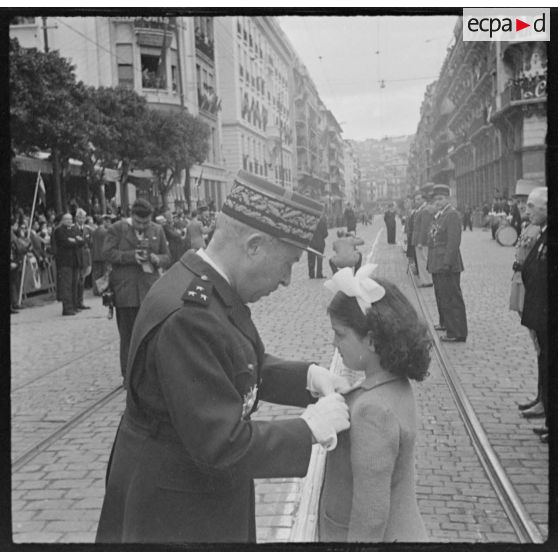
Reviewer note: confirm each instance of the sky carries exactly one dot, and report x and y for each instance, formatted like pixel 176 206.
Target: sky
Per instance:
pixel 348 56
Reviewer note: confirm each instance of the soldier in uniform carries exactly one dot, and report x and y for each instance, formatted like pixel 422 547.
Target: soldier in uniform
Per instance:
pixel 186 451
pixel 445 265
pixel 84 256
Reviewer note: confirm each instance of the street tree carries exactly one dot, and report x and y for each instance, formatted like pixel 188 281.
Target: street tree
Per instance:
pixel 117 122
pixel 177 141
pixel 45 102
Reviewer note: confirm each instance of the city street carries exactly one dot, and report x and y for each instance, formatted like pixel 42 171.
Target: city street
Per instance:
pixel 62 365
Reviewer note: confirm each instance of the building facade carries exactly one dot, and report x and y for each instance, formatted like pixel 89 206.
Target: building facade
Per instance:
pixel 167 60
pixel 256 85
pixel 483 122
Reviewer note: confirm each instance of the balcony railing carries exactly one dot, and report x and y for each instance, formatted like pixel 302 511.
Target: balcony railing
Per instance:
pixel 205 45
pixel 524 89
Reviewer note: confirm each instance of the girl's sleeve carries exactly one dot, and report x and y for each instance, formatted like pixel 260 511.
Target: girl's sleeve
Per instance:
pixel 374 448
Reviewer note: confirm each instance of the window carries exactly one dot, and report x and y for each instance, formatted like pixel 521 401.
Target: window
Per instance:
pixel 125 67
pixel 153 71
pixel 22 20
pixel 174 71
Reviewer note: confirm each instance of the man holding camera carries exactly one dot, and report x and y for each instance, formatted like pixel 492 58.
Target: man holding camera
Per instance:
pixel 136 248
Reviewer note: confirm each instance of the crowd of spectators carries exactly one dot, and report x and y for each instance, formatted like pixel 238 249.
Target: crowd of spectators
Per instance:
pixel 32 246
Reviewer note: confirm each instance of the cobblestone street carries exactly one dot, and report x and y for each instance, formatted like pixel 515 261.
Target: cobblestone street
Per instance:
pixel 61 365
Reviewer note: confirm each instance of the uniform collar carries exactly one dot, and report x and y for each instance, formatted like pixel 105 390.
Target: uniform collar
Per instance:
pixel 205 257
pixel 372 382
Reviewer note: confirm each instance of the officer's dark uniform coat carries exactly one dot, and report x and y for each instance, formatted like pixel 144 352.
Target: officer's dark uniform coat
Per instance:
pixel 445 265
pixel 186 452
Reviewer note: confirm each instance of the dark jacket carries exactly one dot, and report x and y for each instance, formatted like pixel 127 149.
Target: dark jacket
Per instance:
pixel 128 280
pixel 318 240
pixel 186 453
pixel 445 239
pixel 350 219
pixel 97 241
pixel 421 226
pixel 84 248
pixel 534 276
pixel 67 246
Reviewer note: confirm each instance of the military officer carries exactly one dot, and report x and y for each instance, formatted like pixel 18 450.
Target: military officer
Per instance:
pixel 445 265
pixel 186 451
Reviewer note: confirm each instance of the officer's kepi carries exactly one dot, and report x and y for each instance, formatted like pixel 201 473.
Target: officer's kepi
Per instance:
pixel 267 207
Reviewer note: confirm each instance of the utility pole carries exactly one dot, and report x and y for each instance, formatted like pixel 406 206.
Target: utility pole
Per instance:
pixel 55 153
pixel 45 33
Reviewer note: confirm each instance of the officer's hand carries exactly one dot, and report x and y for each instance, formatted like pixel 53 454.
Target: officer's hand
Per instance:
pixel 326 418
pixel 320 381
pixel 154 259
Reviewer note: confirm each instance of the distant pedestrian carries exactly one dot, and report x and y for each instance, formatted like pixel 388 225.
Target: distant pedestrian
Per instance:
pixel 535 279
pixel 468 218
pixel 409 229
pixel 389 219
pixel 350 219
pixel 196 232
pixel 317 245
pixel 136 248
pixel 445 265
pixel 67 244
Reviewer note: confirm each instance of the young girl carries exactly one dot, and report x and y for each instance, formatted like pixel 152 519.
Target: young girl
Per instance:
pixel 369 486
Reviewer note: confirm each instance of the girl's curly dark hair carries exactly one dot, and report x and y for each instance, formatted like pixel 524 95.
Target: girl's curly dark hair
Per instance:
pixel 400 339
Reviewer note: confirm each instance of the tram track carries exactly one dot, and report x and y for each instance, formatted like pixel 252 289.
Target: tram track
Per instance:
pixel 63 365
pixel 69 425
pixel 525 529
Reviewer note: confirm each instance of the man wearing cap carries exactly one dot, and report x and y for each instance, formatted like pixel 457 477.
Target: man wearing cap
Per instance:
pixel 535 280
pixel 136 248
pixel 445 265
pixel 421 230
pixel 186 452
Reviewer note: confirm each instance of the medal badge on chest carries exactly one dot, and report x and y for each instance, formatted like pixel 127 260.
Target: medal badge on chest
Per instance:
pixel 249 401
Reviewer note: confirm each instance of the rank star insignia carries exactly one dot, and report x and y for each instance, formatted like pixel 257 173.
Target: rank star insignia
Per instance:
pixel 203 297
pixel 200 288
pixel 249 401
pixel 197 293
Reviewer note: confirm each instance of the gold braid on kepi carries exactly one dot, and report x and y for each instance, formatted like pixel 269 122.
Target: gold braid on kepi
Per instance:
pixel 272 209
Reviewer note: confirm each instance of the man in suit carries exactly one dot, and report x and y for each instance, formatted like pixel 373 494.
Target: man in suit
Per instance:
pixel 535 306
pixel 136 248
pixel 84 256
pixel 421 230
pixel 186 451
pixel 445 265
pixel 68 243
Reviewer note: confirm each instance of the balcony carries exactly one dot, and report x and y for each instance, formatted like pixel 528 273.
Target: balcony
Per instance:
pixel 205 45
pixel 524 91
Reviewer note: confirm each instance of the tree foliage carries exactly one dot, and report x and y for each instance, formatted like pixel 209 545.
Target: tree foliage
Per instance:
pixel 44 102
pixel 177 140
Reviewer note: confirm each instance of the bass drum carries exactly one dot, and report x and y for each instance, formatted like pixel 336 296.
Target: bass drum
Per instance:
pixel 506 235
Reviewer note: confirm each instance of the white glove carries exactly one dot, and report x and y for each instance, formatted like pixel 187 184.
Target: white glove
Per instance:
pixel 327 417
pixel 320 381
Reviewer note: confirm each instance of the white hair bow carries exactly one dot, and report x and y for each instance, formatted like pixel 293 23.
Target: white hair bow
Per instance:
pixel 360 285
